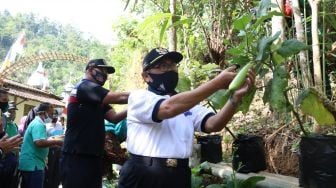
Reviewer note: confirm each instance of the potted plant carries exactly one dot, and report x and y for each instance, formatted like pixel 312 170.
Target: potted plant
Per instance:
pixel 317 149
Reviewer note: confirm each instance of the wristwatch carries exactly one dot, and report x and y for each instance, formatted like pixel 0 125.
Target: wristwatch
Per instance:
pixel 1 152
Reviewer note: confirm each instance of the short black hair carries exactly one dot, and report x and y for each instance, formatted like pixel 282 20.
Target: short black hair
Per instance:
pixel 43 107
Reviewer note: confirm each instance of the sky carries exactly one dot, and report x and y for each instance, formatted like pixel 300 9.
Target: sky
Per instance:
pixel 93 17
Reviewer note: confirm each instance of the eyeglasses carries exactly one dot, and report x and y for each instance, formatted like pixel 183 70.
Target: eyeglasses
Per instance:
pixel 164 67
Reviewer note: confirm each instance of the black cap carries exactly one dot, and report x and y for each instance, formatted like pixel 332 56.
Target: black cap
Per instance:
pixel 100 63
pixel 156 54
pixel 12 105
pixel 4 90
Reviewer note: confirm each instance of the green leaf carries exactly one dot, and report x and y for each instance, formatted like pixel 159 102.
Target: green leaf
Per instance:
pixel 264 46
pixel 331 20
pixel 163 29
pixel 219 99
pixel 152 20
pixel 263 18
pixel 312 103
pixel 279 85
pixel 241 60
pixel 247 100
pixel 251 182
pixel 215 186
pixel 242 22
pixel 268 90
pixel 196 181
pixel 236 51
pixel 184 84
pixel 185 21
pixel 196 170
pixel 277 59
pixel 263 8
pixel 291 47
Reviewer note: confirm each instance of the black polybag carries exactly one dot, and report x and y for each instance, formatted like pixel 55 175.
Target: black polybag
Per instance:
pixel 248 154
pixel 317 161
pixel 211 148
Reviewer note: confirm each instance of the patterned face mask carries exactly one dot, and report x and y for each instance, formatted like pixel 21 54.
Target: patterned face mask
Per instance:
pixel 163 84
pixel 99 77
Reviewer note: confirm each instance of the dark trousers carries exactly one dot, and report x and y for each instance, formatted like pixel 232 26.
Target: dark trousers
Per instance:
pixel 8 171
pixel 32 179
pixel 52 173
pixel 135 174
pixel 81 171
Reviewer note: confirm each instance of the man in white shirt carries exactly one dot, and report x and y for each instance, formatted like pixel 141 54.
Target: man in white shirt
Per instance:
pixel 161 123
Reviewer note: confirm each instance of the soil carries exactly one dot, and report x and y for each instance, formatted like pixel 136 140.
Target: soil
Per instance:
pixel 209 179
pixel 279 157
pixel 281 137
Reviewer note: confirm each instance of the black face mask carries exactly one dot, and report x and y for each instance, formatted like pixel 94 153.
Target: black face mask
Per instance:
pixel 99 76
pixel 163 84
pixel 4 106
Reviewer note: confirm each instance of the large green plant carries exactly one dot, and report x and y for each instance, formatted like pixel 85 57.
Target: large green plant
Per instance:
pixel 267 53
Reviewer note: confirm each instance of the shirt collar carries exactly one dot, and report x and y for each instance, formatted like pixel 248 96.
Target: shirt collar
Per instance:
pixel 39 119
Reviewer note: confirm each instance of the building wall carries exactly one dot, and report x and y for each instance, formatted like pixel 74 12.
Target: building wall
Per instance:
pixel 21 107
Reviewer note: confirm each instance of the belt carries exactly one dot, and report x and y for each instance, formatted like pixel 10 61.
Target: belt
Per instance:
pixel 156 161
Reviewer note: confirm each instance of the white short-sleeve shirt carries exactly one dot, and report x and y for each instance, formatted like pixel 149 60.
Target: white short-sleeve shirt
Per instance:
pixel 170 138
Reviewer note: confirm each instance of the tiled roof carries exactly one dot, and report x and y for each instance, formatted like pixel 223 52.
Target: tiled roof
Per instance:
pixel 28 92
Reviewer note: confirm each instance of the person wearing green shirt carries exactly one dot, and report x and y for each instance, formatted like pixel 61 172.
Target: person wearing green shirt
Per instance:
pixel 9 162
pixel 11 127
pixel 34 150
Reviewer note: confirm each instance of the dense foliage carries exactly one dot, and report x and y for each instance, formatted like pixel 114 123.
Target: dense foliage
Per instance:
pixel 44 35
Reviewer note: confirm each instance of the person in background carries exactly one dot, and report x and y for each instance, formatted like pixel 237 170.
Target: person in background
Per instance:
pixel 8 160
pixel 114 154
pixel 61 120
pixel 30 117
pixel 55 128
pixel 34 150
pixel 161 122
pixel 3 107
pixel 22 124
pixel 52 175
pixel 88 106
pixel 11 126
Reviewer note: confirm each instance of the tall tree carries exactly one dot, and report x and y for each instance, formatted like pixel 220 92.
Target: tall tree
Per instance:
pixel 172 31
pixel 300 36
pixel 314 4
pixel 278 23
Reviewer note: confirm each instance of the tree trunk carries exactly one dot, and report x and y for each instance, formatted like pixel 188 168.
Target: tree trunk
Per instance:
pixel 172 31
pixel 278 21
pixel 303 60
pixel 315 44
pixel 316 51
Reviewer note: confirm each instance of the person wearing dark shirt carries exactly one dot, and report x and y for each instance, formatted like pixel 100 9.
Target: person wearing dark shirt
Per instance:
pixel 87 108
